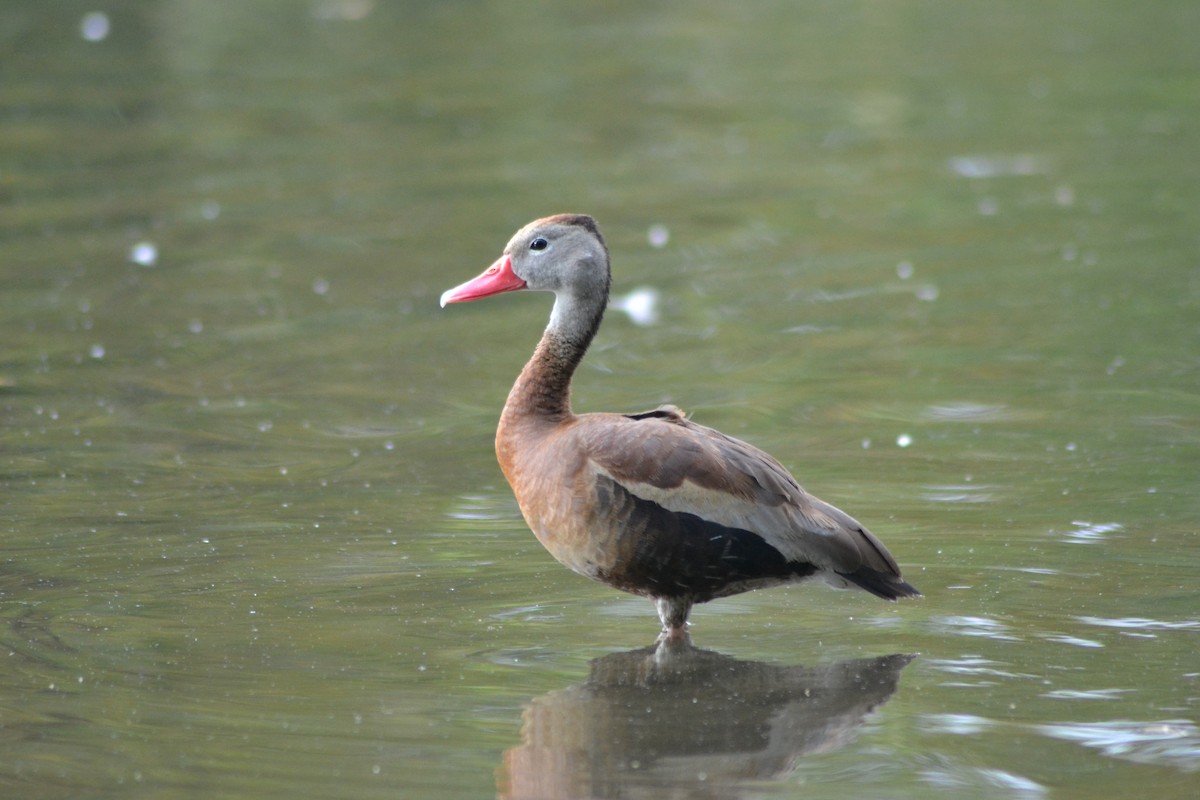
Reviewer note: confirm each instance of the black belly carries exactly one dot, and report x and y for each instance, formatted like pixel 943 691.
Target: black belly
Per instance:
pixel 661 553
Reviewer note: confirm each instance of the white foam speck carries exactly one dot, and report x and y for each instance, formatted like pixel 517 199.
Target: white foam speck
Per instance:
pixel 94 27
pixel 144 254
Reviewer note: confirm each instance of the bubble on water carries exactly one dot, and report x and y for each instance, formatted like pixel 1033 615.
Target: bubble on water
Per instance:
pixel 144 254
pixel 903 440
pixel 210 210
pixel 96 351
pixel 641 305
pixel 658 235
pixel 320 286
pixel 904 270
pixel 94 27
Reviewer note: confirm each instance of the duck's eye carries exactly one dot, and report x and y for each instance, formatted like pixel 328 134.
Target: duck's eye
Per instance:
pixel 538 244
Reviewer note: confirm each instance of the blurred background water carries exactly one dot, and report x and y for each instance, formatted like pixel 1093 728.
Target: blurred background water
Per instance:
pixel 942 259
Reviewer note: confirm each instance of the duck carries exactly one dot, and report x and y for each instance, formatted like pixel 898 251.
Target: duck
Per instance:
pixel 650 503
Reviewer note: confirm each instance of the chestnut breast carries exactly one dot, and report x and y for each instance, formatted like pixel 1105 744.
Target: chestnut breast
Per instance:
pixel 551 477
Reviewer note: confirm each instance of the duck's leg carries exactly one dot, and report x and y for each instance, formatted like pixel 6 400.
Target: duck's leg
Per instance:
pixel 673 611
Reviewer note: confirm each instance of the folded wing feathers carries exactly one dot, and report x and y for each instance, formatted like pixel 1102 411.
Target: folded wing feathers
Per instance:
pixel 663 457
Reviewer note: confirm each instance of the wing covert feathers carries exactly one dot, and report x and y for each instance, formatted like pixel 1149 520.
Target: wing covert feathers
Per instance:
pixel 662 457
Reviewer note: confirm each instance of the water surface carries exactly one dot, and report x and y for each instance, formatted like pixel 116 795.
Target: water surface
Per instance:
pixel 939 259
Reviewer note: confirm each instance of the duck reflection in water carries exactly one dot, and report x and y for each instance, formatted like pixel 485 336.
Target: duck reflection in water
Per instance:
pixel 675 720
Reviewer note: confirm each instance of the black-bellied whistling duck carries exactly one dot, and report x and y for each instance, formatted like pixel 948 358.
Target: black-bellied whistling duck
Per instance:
pixel 650 503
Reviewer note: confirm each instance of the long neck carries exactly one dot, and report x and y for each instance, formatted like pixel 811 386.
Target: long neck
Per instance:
pixel 543 389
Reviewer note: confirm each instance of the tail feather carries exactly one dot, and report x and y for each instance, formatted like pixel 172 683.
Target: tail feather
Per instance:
pixel 881 584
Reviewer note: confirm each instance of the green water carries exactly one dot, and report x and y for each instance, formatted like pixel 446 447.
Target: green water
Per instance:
pixel 941 259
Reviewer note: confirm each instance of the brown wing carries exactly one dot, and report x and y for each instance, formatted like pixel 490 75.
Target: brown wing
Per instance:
pixel 664 458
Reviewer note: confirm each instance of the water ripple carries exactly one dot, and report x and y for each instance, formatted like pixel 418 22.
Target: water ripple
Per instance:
pixel 1092 694
pixel 1141 623
pixel 1091 532
pixel 969 412
pixel 959 724
pixel 1075 641
pixel 975 626
pixel 983 781
pixel 974 665
pixel 1173 742
pixel 959 493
